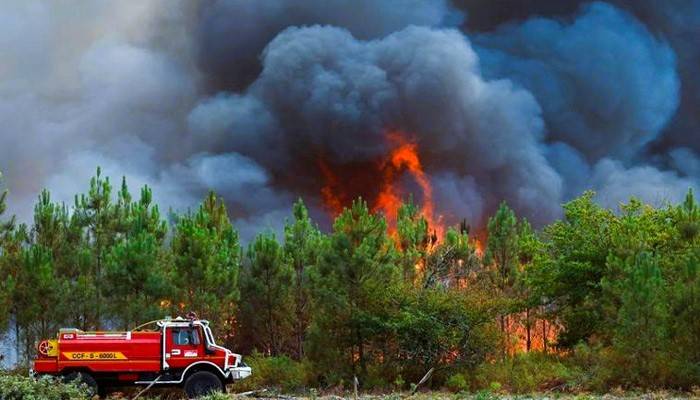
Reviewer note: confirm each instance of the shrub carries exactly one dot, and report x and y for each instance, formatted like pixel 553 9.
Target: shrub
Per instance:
pixel 527 373
pixel 17 387
pixel 281 372
pixel 457 383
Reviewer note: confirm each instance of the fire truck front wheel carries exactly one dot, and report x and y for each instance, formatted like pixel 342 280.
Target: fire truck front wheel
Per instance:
pixel 83 378
pixel 202 383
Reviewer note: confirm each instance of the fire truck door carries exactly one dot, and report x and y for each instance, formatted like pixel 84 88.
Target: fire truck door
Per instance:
pixel 183 345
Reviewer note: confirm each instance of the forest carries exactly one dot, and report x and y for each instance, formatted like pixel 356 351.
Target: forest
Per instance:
pixel 596 300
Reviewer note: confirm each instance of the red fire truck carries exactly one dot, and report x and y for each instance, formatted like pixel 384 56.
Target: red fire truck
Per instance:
pixel 165 352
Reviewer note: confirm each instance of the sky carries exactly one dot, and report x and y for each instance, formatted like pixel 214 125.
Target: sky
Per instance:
pixel 531 102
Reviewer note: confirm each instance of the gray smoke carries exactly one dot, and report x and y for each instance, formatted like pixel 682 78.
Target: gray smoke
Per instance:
pixel 245 97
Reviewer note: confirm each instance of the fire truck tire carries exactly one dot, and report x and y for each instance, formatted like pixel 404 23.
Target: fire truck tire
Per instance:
pixel 203 383
pixel 85 379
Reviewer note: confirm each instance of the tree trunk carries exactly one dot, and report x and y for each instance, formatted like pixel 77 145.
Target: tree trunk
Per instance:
pixel 300 326
pixel 528 339
pixel 544 335
pixel 503 332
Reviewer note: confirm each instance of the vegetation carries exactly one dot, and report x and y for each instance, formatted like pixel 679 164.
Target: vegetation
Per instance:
pixel 13 387
pixel 597 300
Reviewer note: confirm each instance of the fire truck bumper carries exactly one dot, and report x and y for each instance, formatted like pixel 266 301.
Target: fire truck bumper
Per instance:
pixel 241 372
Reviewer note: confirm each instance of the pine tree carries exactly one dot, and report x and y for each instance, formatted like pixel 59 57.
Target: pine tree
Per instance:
pixel 353 285
pixel 641 332
pixel 413 239
pixel 6 281
pixel 266 286
pixel 39 290
pixel 502 255
pixel 569 277
pixel 450 262
pixel 302 244
pixel 688 218
pixel 95 214
pixel 206 261
pixel 685 291
pixel 136 267
pixel 529 248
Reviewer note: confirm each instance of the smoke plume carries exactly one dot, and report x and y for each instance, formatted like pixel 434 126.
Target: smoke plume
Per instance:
pixel 530 102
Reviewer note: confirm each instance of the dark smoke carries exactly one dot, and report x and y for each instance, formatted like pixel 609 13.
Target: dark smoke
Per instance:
pixel 528 101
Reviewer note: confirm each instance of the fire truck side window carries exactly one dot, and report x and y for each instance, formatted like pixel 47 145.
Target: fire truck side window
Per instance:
pixel 185 336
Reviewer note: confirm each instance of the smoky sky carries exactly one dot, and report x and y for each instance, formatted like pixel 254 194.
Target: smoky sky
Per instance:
pixel 531 102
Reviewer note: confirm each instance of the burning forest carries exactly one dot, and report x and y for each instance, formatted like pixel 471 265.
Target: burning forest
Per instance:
pixel 362 189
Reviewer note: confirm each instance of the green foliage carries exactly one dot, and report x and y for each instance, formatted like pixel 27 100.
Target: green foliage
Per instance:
pixel 578 247
pixel 502 259
pixel 352 291
pixel 620 290
pixel 6 285
pixel 527 373
pixel 15 387
pixel 640 333
pixel 279 372
pixel 302 244
pixel 414 240
pixel 442 327
pixel 137 266
pixel 502 248
pixel 206 260
pixel 457 383
pixel 449 262
pixel 265 285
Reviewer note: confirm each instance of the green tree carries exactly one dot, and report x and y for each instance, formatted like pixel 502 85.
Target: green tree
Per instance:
pixel 685 291
pixel 641 332
pixel 40 299
pixel 450 262
pixel 206 261
pixel 302 244
pixel 137 267
pixel 7 228
pixel 352 291
pixel 529 253
pixel 688 218
pixel 413 239
pixel 502 256
pixel 39 291
pixel 570 278
pixel 95 213
pixel 442 328
pixel 266 286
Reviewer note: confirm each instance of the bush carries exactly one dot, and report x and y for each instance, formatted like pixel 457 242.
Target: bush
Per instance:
pixel 527 373
pixel 457 383
pixel 16 387
pixel 281 372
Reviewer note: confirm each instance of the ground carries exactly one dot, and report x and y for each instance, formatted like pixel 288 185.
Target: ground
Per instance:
pixel 443 396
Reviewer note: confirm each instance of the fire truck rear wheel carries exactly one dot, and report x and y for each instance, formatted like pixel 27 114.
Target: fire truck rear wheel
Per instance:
pixel 85 379
pixel 203 383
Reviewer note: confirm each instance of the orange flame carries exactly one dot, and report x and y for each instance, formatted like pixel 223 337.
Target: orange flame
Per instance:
pixel 404 157
pixel 331 200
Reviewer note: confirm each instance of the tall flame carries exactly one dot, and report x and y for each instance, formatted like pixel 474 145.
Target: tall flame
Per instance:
pixel 404 157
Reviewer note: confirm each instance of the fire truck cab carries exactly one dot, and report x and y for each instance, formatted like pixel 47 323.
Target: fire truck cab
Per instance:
pixel 179 352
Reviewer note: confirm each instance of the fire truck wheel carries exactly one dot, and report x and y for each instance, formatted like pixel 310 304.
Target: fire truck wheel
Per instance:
pixel 202 383
pixel 85 379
